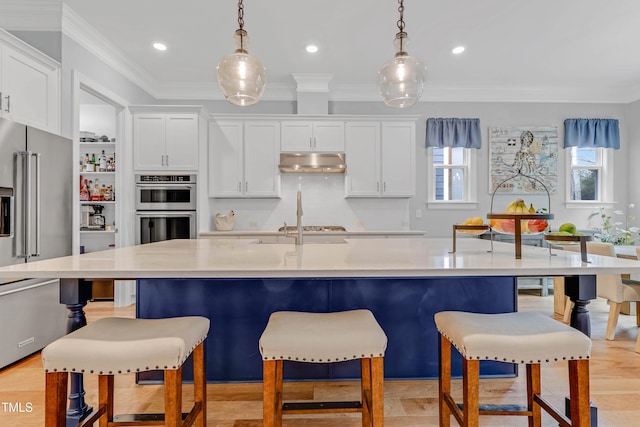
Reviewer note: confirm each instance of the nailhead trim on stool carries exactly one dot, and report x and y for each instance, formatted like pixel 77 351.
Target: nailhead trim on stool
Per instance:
pixel 324 338
pixel 526 338
pixel 114 345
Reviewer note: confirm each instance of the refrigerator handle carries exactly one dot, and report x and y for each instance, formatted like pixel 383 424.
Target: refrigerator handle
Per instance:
pixel 38 205
pixel 26 203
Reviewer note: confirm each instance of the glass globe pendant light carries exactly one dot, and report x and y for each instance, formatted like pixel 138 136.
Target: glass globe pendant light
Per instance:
pixel 401 80
pixel 241 76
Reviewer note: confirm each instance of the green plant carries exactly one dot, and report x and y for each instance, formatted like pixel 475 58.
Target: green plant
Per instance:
pixel 611 230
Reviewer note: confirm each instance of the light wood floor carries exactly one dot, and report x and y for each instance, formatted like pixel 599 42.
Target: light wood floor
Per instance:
pixel 615 386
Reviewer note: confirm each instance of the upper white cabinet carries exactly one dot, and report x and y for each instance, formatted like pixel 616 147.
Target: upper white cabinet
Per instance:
pixel 380 159
pixel 243 158
pixel 166 139
pixel 29 85
pixel 312 136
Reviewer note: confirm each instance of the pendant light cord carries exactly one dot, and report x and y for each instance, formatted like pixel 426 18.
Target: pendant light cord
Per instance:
pixel 241 23
pixel 400 23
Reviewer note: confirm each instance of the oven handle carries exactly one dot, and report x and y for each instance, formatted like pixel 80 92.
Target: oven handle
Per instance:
pixel 165 187
pixel 156 214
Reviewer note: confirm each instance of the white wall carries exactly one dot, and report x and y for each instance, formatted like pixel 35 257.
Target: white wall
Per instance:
pixel 436 222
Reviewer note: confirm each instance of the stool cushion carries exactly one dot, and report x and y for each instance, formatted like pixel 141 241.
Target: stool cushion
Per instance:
pixel 117 345
pixel 322 337
pixel 523 337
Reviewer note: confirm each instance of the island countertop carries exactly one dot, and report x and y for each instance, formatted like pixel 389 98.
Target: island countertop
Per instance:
pixel 238 258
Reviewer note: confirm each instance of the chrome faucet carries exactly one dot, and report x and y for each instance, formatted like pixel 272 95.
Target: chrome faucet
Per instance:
pixel 297 235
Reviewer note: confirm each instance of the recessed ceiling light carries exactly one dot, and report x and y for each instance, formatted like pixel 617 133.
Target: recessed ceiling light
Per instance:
pixel 160 46
pixel 457 50
pixel 311 48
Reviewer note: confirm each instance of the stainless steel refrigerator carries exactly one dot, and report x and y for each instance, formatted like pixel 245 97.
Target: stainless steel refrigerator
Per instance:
pixel 35 223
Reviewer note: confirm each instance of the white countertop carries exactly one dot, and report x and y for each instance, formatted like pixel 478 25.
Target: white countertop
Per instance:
pixel 346 234
pixel 407 257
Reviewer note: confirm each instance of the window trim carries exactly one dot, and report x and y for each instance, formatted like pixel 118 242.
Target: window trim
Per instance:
pixel 605 184
pixel 470 185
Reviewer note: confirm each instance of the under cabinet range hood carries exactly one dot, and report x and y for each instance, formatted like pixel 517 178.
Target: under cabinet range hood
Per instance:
pixel 312 163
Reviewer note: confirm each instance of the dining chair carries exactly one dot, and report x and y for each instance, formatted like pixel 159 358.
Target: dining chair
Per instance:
pixel 611 287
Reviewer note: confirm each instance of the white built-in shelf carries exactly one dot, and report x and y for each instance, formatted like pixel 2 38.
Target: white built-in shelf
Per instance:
pixel 98 173
pixel 98 231
pixel 97 202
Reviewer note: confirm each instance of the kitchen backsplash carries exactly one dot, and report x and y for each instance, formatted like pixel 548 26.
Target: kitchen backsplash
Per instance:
pixel 323 203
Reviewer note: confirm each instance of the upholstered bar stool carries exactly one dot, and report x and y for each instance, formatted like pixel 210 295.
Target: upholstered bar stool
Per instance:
pixel 526 338
pixel 324 338
pixel 115 345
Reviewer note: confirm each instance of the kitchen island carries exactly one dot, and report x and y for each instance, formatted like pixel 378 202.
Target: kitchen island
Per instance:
pixel 238 282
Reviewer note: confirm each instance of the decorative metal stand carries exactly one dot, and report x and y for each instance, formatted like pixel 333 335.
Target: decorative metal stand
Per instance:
pixel 582 240
pixel 464 227
pixel 519 217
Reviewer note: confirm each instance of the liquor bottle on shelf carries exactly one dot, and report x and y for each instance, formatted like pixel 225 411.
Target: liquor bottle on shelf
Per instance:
pixel 93 158
pixel 84 190
pixel 102 162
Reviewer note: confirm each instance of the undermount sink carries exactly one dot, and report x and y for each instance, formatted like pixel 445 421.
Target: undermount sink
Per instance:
pixel 292 228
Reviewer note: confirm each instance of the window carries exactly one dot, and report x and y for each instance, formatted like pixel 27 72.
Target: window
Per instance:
pixel 451 174
pixel 586 180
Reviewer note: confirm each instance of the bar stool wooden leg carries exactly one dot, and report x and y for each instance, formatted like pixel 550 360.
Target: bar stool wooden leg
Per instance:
pixel 470 391
pixel 200 384
pixel 279 392
pixel 105 399
pixel 579 392
pixel 269 392
pixel 173 397
pixel 377 391
pixel 534 389
pixel 444 381
pixel 365 387
pixel 56 399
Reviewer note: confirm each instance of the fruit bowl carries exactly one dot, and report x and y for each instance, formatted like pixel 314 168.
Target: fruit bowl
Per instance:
pixel 471 229
pixel 530 227
pixel 565 238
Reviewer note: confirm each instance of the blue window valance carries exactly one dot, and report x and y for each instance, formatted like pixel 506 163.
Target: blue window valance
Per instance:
pixel 591 133
pixel 453 132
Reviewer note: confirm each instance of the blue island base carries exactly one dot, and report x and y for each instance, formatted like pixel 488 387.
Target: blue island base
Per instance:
pixel 404 307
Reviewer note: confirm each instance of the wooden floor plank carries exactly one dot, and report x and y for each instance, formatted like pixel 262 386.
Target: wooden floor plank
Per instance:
pixel 615 382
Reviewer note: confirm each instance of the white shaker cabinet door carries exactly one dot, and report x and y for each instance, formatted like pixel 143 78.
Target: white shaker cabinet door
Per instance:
pixel 181 142
pixel 362 154
pixel 226 177
pixel 328 136
pixel 296 136
pixel 30 90
pixel 149 141
pixel 398 159
pixel 261 158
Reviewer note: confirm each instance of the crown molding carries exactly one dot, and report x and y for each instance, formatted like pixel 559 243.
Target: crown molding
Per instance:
pixel 85 35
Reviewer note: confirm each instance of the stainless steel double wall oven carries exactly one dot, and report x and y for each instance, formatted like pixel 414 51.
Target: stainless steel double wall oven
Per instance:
pixel 165 207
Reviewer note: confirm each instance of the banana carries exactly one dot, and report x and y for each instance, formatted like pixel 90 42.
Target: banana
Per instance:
pixel 517 206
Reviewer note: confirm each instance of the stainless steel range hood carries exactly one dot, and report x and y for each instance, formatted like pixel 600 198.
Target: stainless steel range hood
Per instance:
pixel 312 163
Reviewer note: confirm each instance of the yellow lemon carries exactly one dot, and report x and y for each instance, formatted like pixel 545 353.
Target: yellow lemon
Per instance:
pixel 476 220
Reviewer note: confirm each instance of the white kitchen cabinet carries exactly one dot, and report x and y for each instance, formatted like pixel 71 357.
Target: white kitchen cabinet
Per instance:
pixel 29 85
pixel 380 159
pixel 243 158
pixel 165 140
pixel 300 136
